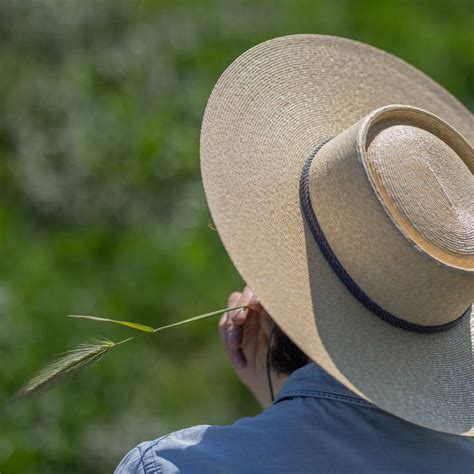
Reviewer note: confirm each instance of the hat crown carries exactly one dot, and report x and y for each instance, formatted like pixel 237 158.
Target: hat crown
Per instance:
pixel 393 196
pixel 423 172
pixel 435 192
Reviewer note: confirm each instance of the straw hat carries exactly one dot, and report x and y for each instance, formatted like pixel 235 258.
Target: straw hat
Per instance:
pixel 351 218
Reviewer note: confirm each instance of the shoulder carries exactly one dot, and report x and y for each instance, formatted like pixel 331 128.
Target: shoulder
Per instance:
pixel 205 448
pixel 234 448
pixel 198 449
pixel 152 457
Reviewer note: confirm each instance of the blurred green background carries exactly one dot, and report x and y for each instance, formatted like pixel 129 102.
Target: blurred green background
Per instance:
pixel 102 209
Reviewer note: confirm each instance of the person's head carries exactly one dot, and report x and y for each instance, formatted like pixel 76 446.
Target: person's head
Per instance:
pixel 285 356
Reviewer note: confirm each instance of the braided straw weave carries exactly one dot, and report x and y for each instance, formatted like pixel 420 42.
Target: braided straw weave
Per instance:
pixel 393 193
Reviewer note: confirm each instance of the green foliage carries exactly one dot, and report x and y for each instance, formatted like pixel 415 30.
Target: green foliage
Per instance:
pixel 102 209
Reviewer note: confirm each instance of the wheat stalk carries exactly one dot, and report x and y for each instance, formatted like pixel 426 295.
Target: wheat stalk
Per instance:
pixel 87 353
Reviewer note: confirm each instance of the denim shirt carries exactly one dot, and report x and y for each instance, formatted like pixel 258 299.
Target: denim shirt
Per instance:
pixel 315 425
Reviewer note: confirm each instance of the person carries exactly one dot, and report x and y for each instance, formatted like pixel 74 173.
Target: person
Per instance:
pixel 314 425
pixel 339 179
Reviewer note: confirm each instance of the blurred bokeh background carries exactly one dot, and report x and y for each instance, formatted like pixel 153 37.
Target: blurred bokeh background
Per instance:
pixel 102 210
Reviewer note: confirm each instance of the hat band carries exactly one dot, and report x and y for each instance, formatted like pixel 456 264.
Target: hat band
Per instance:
pixel 342 273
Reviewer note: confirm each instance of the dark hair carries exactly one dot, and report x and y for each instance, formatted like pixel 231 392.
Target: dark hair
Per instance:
pixel 285 356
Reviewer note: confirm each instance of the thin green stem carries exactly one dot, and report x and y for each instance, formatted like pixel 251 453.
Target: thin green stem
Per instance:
pixel 126 340
pixel 201 316
pixel 179 323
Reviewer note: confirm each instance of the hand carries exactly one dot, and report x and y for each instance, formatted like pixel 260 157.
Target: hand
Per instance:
pixel 245 334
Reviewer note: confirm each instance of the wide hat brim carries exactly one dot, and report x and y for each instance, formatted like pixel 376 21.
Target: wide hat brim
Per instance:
pixel 266 113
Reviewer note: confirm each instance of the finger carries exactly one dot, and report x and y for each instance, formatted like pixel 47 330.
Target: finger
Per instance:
pixel 230 327
pixel 230 333
pixel 239 316
pixel 235 355
pixel 222 328
pixel 244 299
pixel 233 299
pixel 234 336
pixel 254 304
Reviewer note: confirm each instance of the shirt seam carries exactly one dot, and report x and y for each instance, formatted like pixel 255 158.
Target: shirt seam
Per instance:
pixel 141 459
pixel 327 395
pixel 142 455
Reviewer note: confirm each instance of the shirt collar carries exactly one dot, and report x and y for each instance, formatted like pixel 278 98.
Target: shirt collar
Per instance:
pixel 313 381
